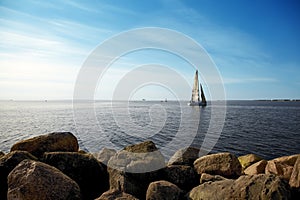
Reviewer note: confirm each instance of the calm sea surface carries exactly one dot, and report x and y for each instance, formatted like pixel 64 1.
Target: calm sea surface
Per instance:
pixel 268 129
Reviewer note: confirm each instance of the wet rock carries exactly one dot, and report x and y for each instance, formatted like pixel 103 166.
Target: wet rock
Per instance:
pixel 32 180
pixel 248 160
pixel 295 176
pixel 224 164
pixel 207 177
pixel 185 177
pixel 163 190
pixel 7 163
pixel 58 141
pixel 256 168
pixel 116 195
pixel 88 173
pixel 105 154
pixel 246 187
pixel 132 170
pixel 185 156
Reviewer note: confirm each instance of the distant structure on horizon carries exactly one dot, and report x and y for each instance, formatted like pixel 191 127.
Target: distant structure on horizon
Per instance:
pixel 195 100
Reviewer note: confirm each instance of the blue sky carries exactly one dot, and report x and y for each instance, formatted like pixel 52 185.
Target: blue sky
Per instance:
pixel 254 44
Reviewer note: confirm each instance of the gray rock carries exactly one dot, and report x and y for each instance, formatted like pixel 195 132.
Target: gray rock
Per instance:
pixel 58 141
pixel 256 168
pixel 207 177
pixel 89 174
pixel 163 190
pixel 224 164
pixel 248 160
pixel 133 169
pixel 246 187
pixel 7 163
pixel 32 180
pixel 185 156
pixel 105 154
pixel 116 195
pixel 185 177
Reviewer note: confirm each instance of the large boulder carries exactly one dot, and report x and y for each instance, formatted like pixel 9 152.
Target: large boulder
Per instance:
pixel 256 168
pixel 7 163
pixel 248 160
pixel 246 187
pixel 131 170
pixel 295 177
pixel 105 154
pixel 89 174
pixel 224 164
pixel 32 180
pixel 207 177
pixel 163 190
pixel 116 195
pixel 185 156
pixel 58 141
pixel 185 177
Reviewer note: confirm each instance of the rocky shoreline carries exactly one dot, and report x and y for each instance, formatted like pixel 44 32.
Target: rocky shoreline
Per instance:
pixel 52 167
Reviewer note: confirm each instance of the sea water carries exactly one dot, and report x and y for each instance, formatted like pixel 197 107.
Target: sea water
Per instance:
pixel 267 128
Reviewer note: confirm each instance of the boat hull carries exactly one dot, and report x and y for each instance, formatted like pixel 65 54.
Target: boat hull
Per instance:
pixel 197 104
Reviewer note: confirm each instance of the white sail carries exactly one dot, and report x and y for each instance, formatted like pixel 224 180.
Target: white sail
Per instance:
pixel 195 100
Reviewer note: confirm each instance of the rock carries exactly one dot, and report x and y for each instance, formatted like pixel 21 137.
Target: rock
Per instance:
pixel 116 195
pixel 58 141
pixel 287 160
pixel 256 168
pixel 132 172
pixel 185 177
pixel 105 154
pixel 279 169
pixel 246 187
pixel 248 160
pixel 295 176
pixel 88 173
pixel 224 164
pixel 32 180
pixel 207 177
pixel 163 190
pixel 7 163
pixel 1 154
pixel 185 156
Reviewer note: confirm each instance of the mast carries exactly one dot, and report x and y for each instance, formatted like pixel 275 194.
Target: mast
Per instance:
pixel 195 92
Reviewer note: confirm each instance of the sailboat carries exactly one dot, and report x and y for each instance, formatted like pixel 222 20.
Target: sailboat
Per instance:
pixel 195 100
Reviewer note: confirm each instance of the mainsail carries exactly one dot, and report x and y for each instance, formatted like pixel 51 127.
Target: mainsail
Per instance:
pixel 195 100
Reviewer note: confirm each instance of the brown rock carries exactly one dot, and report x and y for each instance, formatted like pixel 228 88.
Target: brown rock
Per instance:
pixel 58 141
pixel 248 160
pixel 163 190
pixel 131 172
pixel 256 168
pixel 224 164
pixel 185 156
pixel 295 177
pixel 116 195
pixel 279 169
pixel 185 177
pixel 246 187
pixel 89 174
pixel 7 163
pixel 1 154
pixel 207 177
pixel 32 180
pixel 287 160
